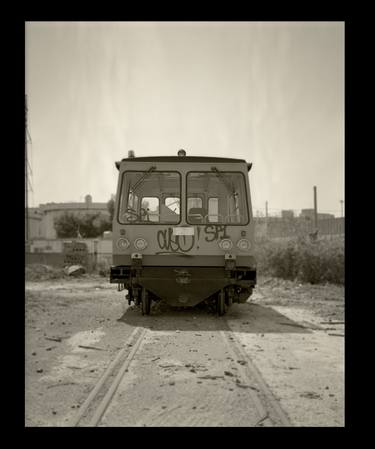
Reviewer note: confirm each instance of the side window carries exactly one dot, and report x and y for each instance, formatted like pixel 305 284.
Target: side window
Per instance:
pixel 150 208
pixel 173 203
pixel 194 202
pixel 213 210
pixel 196 213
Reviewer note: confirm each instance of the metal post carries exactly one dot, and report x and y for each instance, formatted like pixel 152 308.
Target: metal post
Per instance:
pixel 26 180
pixel 342 208
pixel 315 209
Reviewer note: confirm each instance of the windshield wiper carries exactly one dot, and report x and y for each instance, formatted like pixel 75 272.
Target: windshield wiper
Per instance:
pixel 227 184
pixel 141 179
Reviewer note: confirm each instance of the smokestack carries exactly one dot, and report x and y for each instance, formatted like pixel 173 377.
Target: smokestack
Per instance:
pixel 131 154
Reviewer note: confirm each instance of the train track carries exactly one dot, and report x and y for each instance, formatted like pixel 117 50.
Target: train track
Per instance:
pixel 267 409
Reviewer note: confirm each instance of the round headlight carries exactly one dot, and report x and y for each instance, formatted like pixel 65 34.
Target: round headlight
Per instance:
pixel 140 244
pixel 225 244
pixel 123 243
pixel 243 244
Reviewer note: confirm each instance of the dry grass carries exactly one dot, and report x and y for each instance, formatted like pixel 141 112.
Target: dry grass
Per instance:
pixel 316 262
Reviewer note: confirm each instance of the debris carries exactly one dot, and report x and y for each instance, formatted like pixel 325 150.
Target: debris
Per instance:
pixel 58 339
pixel 62 384
pixel 241 362
pixel 310 395
pixel 91 347
pixel 171 383
pixel 337 335
pixel 156 358
pixel 228 373
pixel 208 376
pixel 238 384
pixel 74 270
pixel 292 324
pixel 292 367
pixel 262 419
pixel 332 322
pixel 33 353
pixel 40 370
pixel 50 348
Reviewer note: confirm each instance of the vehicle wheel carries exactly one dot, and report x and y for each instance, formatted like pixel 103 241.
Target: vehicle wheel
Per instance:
pixel 221 303
pixel 146 302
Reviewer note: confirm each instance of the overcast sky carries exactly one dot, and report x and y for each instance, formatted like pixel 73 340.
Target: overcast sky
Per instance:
pixel 271 93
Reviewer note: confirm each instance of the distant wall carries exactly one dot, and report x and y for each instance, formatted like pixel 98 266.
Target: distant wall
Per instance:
pixel 58 252
pixel 275 227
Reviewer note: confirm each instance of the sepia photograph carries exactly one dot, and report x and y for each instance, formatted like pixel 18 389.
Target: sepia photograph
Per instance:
pixel 184 224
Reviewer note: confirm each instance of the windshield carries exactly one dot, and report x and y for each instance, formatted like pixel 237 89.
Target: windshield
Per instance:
pixel 150 197
pixel 216 197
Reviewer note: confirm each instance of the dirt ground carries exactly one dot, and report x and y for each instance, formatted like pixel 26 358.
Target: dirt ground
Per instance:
pixel 293 333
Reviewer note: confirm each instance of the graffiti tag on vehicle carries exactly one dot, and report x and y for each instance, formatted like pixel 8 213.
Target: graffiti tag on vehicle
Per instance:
pixel 182 244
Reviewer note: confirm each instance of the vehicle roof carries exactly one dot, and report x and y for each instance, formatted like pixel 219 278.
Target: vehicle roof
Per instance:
pixel 179 159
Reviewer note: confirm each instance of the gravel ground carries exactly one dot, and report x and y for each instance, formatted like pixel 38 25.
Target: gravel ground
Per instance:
pixel 76 326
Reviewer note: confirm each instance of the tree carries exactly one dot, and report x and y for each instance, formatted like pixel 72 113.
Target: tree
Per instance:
pixel 111 208
pixel 66 226
pixel 70 225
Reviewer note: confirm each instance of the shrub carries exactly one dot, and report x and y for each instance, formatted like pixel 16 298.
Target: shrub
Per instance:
pixel 103 267
pixel 301 259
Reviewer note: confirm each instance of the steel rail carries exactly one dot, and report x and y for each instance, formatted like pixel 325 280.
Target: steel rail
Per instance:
pixel 102 380
pixel 266 404
pixel 107 398
pixel 234 346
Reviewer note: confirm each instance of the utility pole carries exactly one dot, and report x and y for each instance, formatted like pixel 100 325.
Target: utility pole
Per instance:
pixel 26 179
pixel 266 209
pixel 342 208
pixel 315 210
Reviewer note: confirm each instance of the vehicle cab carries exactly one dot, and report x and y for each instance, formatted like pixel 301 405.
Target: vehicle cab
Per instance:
pixel 183 229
